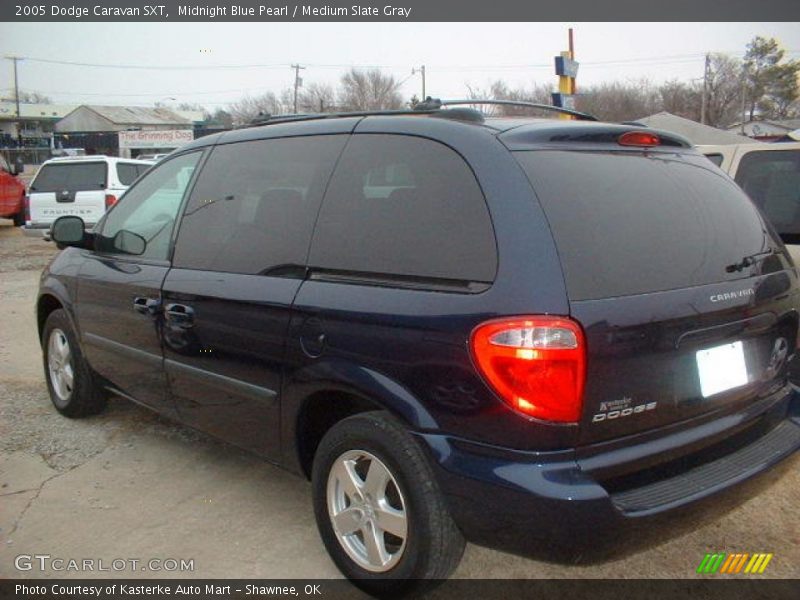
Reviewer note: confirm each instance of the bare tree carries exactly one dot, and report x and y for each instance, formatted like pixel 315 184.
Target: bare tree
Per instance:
pixel 191 106
pixel 369 90
pixel 617 101
pixel 724 91
pixel 247 109
pixel 27 97
pixel 317 98
pixel 681 98
pixel 221 118
pixel 499 90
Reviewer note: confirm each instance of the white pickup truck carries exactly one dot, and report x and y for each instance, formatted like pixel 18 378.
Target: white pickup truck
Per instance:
pixel 84 186
pixel 770 174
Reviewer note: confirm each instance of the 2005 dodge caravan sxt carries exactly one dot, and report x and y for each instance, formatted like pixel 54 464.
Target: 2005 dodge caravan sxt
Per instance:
pixel 499 330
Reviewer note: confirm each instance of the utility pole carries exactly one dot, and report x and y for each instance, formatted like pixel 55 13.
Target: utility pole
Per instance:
pixel 16 59
pixel 421 71
pixel 744 98
pixel 298 82
pixel 704 103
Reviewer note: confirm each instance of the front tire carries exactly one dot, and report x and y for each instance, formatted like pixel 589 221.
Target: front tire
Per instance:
pixel 70 381
pixel 379 509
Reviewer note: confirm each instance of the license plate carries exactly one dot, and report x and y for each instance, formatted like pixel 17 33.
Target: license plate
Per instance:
pixel 721 368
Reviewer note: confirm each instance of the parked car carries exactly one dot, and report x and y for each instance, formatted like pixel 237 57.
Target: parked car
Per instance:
pixel 530 334
pixel 84 186
pixel 770 174
pixel 12 191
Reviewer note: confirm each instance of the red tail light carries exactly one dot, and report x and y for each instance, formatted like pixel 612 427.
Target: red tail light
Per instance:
pixel 111 200
pixel 638 138
pixel 27 207
pixel 537 365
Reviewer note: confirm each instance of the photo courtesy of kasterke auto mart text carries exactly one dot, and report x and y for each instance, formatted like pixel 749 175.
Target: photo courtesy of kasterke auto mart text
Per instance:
pixel 403 307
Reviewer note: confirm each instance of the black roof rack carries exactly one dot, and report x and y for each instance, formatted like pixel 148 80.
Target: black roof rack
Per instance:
pixel 432 106
pixel 268 119
pixel 434 103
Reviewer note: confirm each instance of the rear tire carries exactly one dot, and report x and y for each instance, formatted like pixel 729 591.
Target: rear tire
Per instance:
pixel 71 383
pixel 19 218
pixel 393 532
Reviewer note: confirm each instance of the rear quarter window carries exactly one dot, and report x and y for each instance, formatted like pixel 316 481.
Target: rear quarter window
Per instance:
pixel 405 206
pixel 70 176
pixel 772 179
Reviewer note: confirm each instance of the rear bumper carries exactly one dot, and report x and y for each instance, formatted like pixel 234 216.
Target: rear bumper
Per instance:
pixel 561 506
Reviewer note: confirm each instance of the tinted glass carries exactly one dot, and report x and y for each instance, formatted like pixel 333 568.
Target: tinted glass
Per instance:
pixel 253 208
pixel 715 158
pixel 628 223
pixel 772 180
pixel 73 176
pixel 400 205
pixel 127 173
pixel 149 208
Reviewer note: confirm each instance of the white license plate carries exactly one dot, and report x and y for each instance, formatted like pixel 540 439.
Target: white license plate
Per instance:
pixel 721 368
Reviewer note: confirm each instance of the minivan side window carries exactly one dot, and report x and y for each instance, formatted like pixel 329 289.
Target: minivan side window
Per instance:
pixel 253 208
pixel 404 206
pixel 772 180
pixel 149 208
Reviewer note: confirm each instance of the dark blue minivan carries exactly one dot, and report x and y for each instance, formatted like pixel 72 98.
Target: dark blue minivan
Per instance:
pixel 514 331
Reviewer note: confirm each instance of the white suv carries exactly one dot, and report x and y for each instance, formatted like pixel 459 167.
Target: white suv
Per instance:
pixel 770 174
pixel 83 186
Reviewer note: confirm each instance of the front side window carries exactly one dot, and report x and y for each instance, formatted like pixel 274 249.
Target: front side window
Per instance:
pixel 147 211
pixel 254 205
pixel 772 179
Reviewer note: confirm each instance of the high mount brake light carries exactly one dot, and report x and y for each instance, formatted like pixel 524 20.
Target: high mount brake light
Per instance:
pixel 638 138
pixel 536 364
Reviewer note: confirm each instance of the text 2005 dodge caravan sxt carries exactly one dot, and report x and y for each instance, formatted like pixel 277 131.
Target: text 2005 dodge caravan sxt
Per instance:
pixel 510 331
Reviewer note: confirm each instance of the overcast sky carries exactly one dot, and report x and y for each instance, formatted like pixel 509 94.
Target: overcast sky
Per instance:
pixel 454 54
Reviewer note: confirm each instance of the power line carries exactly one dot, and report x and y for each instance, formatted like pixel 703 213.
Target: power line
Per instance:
pixel 677 58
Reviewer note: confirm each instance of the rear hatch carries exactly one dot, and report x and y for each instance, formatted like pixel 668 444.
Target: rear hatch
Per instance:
pixel 68 188
pixel 686 296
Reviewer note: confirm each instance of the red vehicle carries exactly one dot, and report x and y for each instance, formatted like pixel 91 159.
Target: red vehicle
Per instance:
pixel 12 192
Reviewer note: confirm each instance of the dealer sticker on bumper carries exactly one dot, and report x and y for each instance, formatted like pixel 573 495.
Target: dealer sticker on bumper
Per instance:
pixel 721 368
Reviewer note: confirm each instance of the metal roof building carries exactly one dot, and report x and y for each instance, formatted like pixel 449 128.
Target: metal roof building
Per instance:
pixel 94 118
pixel 695 132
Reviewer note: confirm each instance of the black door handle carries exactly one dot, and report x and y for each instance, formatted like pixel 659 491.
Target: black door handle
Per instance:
pixel 179 314
pixel 146 306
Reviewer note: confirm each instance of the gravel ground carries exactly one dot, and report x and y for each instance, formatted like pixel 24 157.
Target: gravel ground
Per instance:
pixel 129 483
pixel 20 253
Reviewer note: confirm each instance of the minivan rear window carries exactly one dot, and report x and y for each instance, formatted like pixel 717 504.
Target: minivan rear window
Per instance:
pixel 72 176
pixel 772 179
pixel 631 223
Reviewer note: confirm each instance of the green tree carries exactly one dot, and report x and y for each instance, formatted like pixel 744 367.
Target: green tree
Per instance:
pixel 771 82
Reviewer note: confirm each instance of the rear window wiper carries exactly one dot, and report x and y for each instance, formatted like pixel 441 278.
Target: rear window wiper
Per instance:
pixel 749 260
